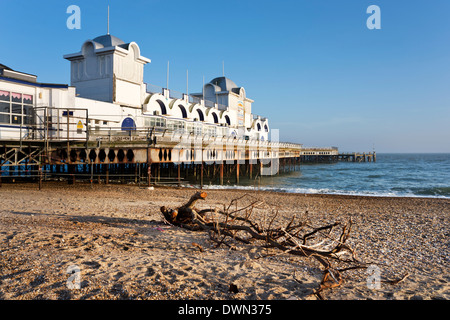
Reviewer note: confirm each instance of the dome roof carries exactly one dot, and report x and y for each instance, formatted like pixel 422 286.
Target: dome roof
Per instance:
pixel 224 83
pixel 108 40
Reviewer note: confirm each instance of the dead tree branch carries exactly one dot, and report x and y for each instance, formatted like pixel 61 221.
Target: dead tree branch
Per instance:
pixel 325 244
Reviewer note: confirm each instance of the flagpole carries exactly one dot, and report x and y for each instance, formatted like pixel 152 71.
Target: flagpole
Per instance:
pixel 108 21
pixel 167 74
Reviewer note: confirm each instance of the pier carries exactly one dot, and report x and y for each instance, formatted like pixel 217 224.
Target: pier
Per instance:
pixel 150 156
pixel 146 156
pixel 332 154
pixel 158 158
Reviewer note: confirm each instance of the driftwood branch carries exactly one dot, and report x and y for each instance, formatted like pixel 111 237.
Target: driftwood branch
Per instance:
pixel 324 244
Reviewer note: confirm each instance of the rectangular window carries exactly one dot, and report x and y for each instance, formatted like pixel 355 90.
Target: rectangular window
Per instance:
pixel 155 122
pixel 27 114
pixel 175 125
pixel 16 97
pixel 27 99
pixel 4 95
pixel 5 107
pixel 16 119
pixel 28 110
pixel 197 129
pixel 5 118
pixel 160 122
pixel 16 108
pixel 27 120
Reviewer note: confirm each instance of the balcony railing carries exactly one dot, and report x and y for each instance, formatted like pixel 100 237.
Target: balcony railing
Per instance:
pixel 165 135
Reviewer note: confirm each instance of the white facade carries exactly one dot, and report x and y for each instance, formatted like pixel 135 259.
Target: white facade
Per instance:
pixel 22 101
pixel 107 92
pixel 107 69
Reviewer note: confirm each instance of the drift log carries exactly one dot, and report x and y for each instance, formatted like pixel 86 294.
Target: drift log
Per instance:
pixel 324 244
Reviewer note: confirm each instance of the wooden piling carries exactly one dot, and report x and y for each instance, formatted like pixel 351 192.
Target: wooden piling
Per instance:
pixel 260 169
pixel 149 174
pixel 201 175
pixel 92 174
pixel 40 177
pixel 98 171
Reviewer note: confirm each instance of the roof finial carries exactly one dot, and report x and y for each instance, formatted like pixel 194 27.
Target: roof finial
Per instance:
pixel 108 21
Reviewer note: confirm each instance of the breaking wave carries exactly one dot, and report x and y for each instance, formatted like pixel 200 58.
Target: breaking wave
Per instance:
pixel 426 193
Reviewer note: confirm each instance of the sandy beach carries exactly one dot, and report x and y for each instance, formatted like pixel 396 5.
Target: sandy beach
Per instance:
pixel 114 236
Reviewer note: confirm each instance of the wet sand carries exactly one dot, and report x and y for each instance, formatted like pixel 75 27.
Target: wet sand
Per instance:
pixel 114 236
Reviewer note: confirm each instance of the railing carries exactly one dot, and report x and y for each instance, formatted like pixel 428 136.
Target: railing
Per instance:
pixel 209 104
pixel 65 124
pixel 159 135
pixel 193 99
pixel 51 124
pixel 175 94
pixel 151 88
pixel 320 149
pixel 60 124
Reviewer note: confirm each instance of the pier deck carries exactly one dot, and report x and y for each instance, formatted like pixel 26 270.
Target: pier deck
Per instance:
pixel 155 156
pixel 332 154
pixel 143 155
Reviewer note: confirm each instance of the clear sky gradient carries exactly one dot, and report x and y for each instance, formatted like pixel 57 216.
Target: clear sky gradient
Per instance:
pixel 312 67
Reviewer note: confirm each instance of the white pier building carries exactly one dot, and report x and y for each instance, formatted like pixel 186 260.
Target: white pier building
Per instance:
pixel 107 93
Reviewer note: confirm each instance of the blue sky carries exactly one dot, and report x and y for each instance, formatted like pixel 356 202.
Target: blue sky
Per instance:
pixel 312 67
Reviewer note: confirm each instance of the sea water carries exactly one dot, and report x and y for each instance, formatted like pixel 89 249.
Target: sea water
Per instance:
pixel 395 175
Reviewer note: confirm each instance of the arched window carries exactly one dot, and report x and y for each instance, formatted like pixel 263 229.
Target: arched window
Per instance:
pixel 183 111
pixel 128 124
pixel 227 120
pixel 258 126
pixel 162 106
pixel 200 115
pixel 266 128
pixel 216 119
